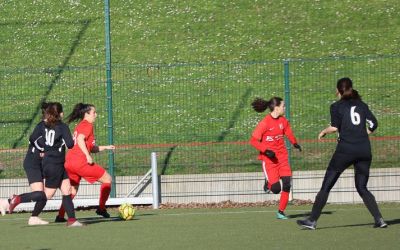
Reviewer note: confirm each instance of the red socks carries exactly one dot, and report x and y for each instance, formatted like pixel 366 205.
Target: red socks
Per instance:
pixel 105 190
pixel 283 201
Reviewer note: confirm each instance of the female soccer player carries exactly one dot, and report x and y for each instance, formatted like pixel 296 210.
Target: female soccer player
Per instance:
pixel 349 117
pixel 34 172
pixel 268 139
pixel 79 163
pixel 54 137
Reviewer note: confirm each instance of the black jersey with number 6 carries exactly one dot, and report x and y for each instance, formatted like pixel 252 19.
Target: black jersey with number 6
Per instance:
pixel 352 118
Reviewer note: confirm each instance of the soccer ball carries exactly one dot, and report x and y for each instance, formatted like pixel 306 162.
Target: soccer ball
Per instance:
pixel 126 211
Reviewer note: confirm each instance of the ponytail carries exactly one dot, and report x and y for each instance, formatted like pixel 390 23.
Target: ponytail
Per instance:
pixel 260 105
pixel 78 113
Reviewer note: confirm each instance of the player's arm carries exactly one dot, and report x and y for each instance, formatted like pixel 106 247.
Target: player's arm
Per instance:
pixel 289 134
pixel 36 138
pixel 372 122
pixel 256 137
pixel 80 140
pixel 328 130
pixel 66 134
pixel 97 149
pixel 335 122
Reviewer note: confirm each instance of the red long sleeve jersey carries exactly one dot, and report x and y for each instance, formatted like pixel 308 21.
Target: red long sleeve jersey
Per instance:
pixel 269 134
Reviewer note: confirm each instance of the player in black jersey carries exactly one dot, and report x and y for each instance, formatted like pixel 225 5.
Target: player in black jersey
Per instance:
pixel 34 172
pixel 349 117
pixel 54 136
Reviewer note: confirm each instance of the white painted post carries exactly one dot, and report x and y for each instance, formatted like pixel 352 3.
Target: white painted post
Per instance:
pixel 154 180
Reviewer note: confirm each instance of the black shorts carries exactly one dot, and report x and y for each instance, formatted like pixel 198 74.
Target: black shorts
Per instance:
pixel 54 173
pixel 33 167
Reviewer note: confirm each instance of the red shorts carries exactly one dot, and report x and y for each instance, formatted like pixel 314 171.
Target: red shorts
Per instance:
pixel 274 170
pixel 91 173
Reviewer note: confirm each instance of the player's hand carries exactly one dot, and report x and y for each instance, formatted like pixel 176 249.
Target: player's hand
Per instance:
pixel 321 135
pixel 297 146
pixel 89 159
pixel 269 153
pixel 41 154
pixel 110 147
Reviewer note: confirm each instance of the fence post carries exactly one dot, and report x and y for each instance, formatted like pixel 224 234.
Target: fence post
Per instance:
pixel 287 112
pixel 154 180
pixel 287 101
pixel 109 95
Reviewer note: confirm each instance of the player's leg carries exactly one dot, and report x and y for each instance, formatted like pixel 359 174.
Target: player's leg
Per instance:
pixel 265 187
pixel 105 190
pixel 93 173
pixel 33 170
pixel 67 203
pixel 361 177
pixel 284 199
pixel 337 165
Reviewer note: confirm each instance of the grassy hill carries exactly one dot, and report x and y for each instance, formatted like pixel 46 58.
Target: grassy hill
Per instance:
pixel 71 32
pixel 185 73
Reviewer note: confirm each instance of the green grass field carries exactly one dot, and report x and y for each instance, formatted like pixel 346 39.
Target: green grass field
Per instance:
pixel 340 227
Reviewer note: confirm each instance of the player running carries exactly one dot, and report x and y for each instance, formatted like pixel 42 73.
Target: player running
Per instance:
pixel 54 136
pixel 34 172
pixel 268 139
pixel 79 162
pixel 349 117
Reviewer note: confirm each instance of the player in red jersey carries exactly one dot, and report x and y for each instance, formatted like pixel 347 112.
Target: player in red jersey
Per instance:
pixel 268 139
pixel 79 163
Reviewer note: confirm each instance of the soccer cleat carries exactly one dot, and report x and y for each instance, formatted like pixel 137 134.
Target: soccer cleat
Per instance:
pixel 307 224
pixel 102 212
pixel 74 223
pixel 3 207
pixel 281 215
pixel 59 219
pixel 266 187
pixel 15 200
pixel 34 220
pixel 380 223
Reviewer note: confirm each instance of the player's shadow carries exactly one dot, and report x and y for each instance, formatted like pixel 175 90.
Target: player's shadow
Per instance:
pixel 94 220
pixel 302 215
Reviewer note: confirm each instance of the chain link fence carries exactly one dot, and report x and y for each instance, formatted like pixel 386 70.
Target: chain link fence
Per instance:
pixel 198 116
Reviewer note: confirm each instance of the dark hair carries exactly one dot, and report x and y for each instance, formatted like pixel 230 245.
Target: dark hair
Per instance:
pixel 79 111
pixel 260 105
pixel 52 114
pixel 345 88
pixel 43 107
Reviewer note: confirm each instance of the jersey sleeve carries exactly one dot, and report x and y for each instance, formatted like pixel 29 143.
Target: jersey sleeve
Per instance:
pixel 372 122
pixel 289 133
pixel 66 134
pixel 256 136
pixel 86 129
pixel 335 116
pixel 36 138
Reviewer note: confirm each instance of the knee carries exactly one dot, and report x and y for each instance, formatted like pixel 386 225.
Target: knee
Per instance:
pixel 361 189
pixel 276 187
pixel 286 184
pixel 39 196
pixel 107 178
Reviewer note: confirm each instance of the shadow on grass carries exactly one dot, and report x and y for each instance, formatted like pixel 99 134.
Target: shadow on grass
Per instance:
pixel 302 215
pixel 94 220
pixel 56 75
